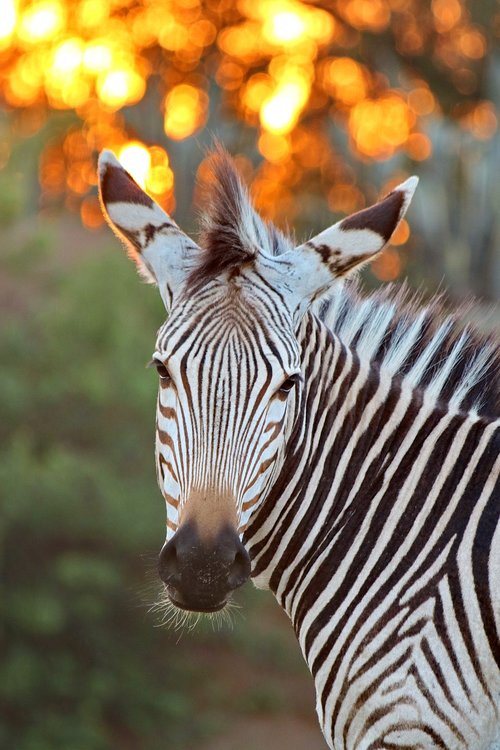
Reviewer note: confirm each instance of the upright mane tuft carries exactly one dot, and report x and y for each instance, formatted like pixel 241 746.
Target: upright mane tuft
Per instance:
pixel 432 350
pixel 232 233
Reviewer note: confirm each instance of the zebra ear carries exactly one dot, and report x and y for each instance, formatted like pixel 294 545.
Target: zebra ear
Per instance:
pixel 162 252
pixel 346 246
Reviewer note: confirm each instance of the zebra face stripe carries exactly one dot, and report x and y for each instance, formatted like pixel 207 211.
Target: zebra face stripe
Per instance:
pixel 225 355
pixel 222 414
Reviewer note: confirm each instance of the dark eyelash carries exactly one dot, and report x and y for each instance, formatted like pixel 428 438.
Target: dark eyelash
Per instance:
pixel 288 384
pixel 160 368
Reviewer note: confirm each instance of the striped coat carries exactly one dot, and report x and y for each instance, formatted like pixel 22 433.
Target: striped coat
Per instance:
pixel 342 451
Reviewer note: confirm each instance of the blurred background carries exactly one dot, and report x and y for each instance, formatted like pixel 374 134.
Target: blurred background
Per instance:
pixel 325 106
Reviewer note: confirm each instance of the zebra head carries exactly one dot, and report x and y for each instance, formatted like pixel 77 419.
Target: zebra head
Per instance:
pixel 228 358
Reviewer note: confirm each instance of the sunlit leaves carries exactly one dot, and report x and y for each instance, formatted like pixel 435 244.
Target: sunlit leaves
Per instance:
pixel 290 69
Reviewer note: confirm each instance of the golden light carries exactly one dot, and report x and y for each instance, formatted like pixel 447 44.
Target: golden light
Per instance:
pixel 281 111
pixel 345 79
pixel 136 159
pixel 273 63
pixel 284 26
pixel 91 213
pixel 93 13
pixel 311 148
pixel 372 15
pixel 67 57
pixel 287 22
pixel 173 35
pixel 75 180
pixel 97 57
pixel 322 26
pixel 447 13
pixel 379 126
pixel 185 111
pixel 41 21
pixel 418 147
pixel 160 179
pixel 472 44
pixel 272 193
pixel 388 265
pixel 9 18
pixel 229 75
pixel 401 234
pixel 241 41
pixel 119 87
pixel 202 32
pixel 63 82
pixel 274 148
pixel 258 88
pixel 25 81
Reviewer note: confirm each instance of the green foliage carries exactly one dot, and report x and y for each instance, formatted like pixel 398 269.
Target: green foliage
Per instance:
pixel 14 192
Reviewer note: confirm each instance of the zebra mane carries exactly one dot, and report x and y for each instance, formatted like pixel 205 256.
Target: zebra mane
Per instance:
pixel 430 349
pixel 232 232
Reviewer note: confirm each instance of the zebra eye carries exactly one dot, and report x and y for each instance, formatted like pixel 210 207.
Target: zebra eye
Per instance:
pixel 162 371
pixel 160 368
pixel 288 384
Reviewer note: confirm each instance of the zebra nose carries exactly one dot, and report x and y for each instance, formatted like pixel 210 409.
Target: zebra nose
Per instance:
pixel 239 570
pixel 199 573
pixel 168 564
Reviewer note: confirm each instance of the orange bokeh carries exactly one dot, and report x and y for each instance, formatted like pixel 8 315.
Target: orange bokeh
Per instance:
pixel 388 265
pixel 285 67
pixel 186 109
pixel 379 126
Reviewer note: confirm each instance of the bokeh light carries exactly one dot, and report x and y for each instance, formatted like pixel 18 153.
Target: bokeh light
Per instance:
pixel 185 111
pixel 137 160
pixel 298 74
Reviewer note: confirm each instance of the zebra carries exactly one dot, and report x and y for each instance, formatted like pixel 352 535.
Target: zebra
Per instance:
pixel 340 449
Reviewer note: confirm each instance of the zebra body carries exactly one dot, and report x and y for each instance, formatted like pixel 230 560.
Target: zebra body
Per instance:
pixel 401 510
pixel 344 452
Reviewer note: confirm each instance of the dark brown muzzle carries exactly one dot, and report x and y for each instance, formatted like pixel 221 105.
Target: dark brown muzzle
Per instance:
pixel 199 574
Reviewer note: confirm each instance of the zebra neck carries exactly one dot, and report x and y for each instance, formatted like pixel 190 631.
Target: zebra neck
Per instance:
pixel 359 435
pixel 385 509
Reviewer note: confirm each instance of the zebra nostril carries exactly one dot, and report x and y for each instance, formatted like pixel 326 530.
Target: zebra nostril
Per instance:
pixel 240 568
pixel 168 564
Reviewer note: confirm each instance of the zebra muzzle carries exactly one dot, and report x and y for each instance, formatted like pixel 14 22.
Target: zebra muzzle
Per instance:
pixel 199 574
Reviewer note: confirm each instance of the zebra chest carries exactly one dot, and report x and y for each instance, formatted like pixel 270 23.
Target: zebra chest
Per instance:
pixel 396 682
